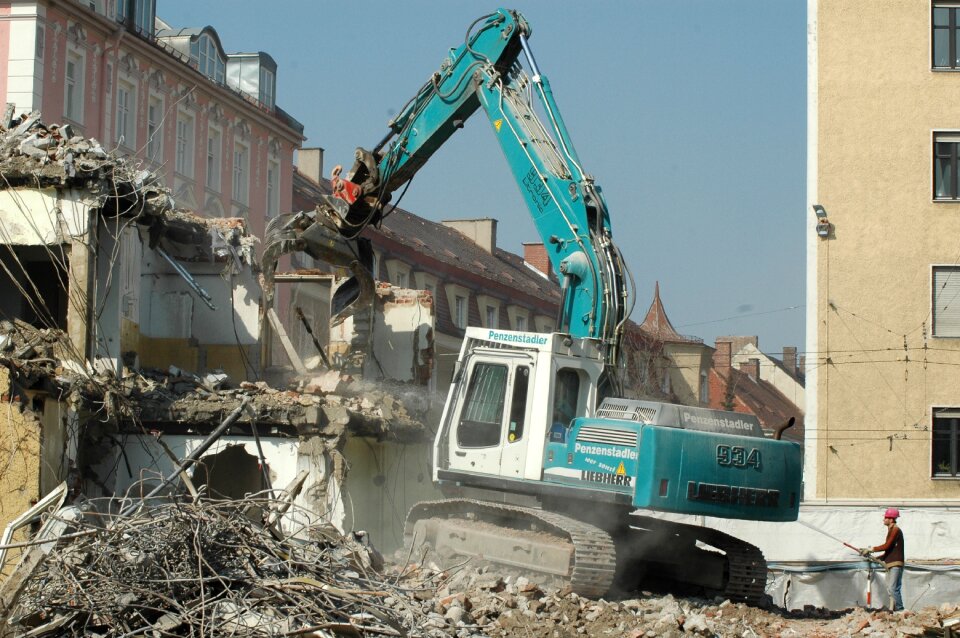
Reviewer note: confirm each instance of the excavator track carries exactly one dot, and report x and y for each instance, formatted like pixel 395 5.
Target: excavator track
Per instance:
pixel 745 574
pixel 593 560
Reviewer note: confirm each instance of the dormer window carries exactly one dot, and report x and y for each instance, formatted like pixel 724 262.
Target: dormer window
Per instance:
pixel 254 74
pixel 205 54
pixel 142 18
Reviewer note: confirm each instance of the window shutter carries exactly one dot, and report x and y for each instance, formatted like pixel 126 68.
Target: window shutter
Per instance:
pixel 946 302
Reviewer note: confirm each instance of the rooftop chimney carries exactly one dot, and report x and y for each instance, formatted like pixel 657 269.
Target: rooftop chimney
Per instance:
pixel 802 366
pixel 751 368
pixel 722 356
pixel 790 360
pixel 482 232
pixel 535 254
pixel 310 163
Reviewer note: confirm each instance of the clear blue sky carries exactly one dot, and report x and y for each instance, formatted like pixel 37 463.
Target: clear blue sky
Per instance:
pixel 691 114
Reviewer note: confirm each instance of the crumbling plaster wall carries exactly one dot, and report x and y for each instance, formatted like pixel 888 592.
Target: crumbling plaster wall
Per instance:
pixel 21 437
pixel 175 326
pixel 385 480
pixel 285 457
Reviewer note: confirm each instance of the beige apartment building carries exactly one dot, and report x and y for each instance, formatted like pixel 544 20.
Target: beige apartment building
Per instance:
pixel 883 256
pixel 882 418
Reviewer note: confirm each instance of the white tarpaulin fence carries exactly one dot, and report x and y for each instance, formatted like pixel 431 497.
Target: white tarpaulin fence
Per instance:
pixel 845 585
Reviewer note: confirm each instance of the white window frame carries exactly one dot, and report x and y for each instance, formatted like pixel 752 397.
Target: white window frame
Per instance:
pixel 74 86
pixel 398 273
pixel 453 291
pixel 946 414
pixel 126 113
pixel 144 16
pixel 214 158
pixel 155 117
pixel 519 318
pixel 268 83
pixel 487 305
pixel 186 134
pixel 240 184
pixel 208 58
pixel 273 187
pixel 945 280
pixel 461 311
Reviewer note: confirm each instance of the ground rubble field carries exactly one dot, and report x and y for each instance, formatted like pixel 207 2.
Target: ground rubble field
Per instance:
pixel 162 567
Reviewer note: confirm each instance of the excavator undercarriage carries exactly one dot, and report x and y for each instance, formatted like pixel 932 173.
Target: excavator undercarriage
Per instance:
pixel 592 558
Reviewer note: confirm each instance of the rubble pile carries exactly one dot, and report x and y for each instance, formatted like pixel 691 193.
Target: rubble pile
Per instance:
pixel 36 154
pixel 516 606
pixel 209 568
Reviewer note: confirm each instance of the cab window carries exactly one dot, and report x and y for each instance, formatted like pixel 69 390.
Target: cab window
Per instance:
pixel 482 414
pixel 518 404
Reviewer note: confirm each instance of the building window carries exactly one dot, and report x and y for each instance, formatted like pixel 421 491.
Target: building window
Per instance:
pixel 41 41
pixel 144 16
pixel 945 36
pixel 155 129
pixel 184 158
pixel 206 55
pixel 267 87
pixel 460 311
pixel 704 389
pixel 126 108
pixel 214 151
pixel 273 188
pixel 945 166
pixel 946 301
pixel 946 442
pixel 401 280
pixel 521 323
pixel 241 169
pixel 492 312
pixel 73 87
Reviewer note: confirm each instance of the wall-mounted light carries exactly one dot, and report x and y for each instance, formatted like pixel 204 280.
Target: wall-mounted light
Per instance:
pixel 823 224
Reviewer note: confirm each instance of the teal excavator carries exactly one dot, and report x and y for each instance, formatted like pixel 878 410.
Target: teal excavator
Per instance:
pixel 566 477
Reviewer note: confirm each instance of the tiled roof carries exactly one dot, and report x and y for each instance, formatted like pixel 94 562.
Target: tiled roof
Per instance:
pixel 763 400
pixel 658 325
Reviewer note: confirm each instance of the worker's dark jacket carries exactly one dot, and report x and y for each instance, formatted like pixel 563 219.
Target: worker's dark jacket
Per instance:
pixel 892 549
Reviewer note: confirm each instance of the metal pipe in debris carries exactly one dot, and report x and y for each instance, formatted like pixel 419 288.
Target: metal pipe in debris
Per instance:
pixel 193 456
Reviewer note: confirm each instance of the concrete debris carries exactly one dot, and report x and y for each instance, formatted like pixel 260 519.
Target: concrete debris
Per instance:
pixel 42 359
pixel 36 155
pixel 488 601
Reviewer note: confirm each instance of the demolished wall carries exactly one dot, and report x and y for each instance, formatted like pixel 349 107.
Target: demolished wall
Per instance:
pixel 158 341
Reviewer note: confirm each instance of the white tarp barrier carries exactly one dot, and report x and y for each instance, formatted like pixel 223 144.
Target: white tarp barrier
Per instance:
pixel 845 585
pixel 819 536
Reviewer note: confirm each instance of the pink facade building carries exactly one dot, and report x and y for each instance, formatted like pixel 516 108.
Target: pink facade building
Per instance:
pixel 204 119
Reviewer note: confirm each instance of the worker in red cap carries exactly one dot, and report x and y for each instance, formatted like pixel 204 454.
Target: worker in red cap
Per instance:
pixel 892 556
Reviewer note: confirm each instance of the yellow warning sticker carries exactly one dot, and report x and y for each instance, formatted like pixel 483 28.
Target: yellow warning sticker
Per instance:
pixel 497 124
pixel 621 470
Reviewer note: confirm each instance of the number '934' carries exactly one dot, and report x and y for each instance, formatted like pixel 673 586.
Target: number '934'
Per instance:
pixel 736 456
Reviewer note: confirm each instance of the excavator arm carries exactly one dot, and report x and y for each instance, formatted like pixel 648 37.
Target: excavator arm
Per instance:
pixel 566 205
